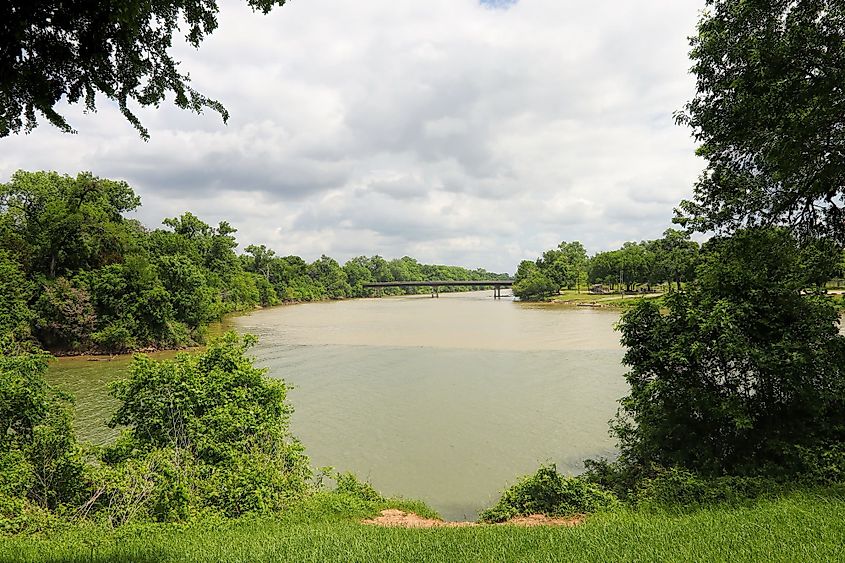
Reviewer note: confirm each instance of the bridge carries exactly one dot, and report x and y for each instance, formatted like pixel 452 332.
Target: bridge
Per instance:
pixel 435 285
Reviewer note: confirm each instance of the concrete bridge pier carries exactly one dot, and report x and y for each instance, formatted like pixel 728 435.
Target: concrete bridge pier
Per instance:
pixel 435 291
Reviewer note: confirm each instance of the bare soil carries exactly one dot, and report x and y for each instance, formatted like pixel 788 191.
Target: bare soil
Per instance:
pixel 393 518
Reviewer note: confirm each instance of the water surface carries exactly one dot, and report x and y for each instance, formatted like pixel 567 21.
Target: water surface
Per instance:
pixel 448 400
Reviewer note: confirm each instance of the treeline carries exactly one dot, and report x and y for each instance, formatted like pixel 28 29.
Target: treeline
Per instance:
pixel 77 275
pixel 668 260
pixel 293 280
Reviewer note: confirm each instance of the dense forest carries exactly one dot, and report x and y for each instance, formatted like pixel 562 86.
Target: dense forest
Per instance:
pixel 77 275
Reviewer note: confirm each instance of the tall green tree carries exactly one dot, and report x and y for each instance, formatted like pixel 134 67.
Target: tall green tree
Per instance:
pixel 57 224
pixel 675 256
pixel 768 112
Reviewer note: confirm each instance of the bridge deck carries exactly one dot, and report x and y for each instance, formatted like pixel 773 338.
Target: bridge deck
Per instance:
pixel 441 283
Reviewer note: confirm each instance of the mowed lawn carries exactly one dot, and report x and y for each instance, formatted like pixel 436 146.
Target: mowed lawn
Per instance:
pixel 797 528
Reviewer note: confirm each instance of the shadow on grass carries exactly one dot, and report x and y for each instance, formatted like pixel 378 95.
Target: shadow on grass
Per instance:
pixel 104 556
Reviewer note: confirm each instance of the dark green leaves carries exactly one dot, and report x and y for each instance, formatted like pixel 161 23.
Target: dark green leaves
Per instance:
pixel 52 51
pixel 770 113
pixel 742 370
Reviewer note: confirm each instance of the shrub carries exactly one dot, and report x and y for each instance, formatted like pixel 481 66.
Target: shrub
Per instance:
pixel 550 493
pixel 114 338
pixel 349 484
pixel 741 370
pixel 155 485
pixel 65 316
pixel 205 431
pixel 677 488
pixel 40 460
pixel 823 465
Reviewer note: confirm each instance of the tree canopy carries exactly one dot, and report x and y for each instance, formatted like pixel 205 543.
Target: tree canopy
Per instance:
pixel 53 51
pixel 769 112
pixel 743 374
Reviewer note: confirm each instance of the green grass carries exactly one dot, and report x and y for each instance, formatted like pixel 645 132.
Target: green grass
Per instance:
pixel 799 527
pixel 609 300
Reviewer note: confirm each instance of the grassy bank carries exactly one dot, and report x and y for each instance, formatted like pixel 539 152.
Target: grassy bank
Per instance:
pixel 610 300
pixel 798 527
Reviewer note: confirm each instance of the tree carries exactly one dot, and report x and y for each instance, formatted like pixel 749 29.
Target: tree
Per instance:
pixel 768 113
pixel 744 373
pixel 555 266
pixel 54 50
pixel 39 456
pixel 261 260
pixel 576 256
pixel 212 428
pixel 15 292
pixel 675 258
pixel 328 274
pixel 531 284
pixel 56 224
pixel 358 273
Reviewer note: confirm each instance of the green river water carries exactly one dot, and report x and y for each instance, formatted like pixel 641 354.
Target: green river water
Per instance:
pixel 448 400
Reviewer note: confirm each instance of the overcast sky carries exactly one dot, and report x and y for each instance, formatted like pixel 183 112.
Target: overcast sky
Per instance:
pixel 467 132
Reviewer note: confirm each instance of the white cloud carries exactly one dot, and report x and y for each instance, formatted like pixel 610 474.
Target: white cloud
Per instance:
pixel 445 130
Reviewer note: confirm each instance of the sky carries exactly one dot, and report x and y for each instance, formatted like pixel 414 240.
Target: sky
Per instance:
pixel 468 132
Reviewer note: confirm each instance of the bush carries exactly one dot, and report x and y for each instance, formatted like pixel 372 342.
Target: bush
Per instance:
pixel 205 432
pixel 18 515
pixel 349 484
pixel 154 486
pixel 550 493
pixel 823 465
pixel 40 462
pixel 114 338
pixel 740 372
pixel 677 488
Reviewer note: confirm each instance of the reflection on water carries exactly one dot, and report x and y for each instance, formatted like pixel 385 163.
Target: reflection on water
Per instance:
pixel 448 399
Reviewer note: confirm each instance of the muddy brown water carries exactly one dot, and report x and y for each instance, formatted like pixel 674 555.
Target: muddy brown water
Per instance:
pixel 448 400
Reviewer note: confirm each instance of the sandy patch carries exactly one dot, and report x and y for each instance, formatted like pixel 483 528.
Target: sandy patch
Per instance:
pixel 393 518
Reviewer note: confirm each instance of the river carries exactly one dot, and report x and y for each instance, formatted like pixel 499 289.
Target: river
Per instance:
pixel 448 400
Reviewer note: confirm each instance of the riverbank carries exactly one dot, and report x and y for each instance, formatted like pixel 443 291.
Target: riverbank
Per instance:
pixel 573 298
pixel 799 527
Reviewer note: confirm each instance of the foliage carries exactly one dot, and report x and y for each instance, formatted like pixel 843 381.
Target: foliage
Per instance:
pixel 678 489
pixel 548 492
pixel 768 115
pixel 531 284
pixel 15 293
pixel 564 265
pixel 349 484
pixel 54 51
pixel 742 371
pixel 79 277
pixel 204 431
pixel 57 225
pixel 40 462
pixel 65 317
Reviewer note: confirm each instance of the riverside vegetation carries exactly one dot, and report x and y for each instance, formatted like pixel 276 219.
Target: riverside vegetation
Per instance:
pixel 77 276
pixel 730 438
